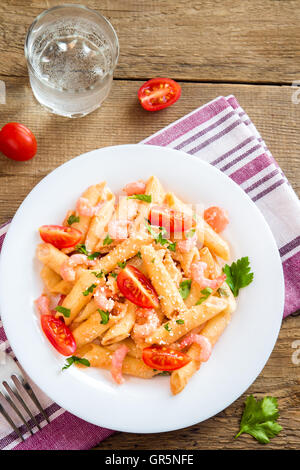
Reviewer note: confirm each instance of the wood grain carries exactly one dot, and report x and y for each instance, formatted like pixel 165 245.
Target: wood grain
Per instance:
pixel 60 139
pixel 251 41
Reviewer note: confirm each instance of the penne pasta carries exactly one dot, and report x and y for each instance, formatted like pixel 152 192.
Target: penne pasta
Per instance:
pixel 51 256
pixel 98 224
pixel 169 296
pixel 99 356
pixel 171 331
pixel 121 330
pixel 50 278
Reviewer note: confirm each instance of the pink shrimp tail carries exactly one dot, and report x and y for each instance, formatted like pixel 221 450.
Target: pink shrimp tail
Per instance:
pixel 143 329
pixel 42 304
pixel 117 363
pixel 101 299
pixel 203 342
pixel 118 229
pixel 184 246
pixel 136 187
pixel 67 270
pixel 197 273
pixel 85 208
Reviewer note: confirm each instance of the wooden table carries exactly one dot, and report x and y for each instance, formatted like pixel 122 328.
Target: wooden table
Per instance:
pixel 249 48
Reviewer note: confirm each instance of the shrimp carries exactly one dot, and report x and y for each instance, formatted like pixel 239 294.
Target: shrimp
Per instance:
pixel 67 270
pixel 136 187
pixel 184 246
pixel 117 363
pixel 203 342
pixel 101 298
pixel 147 322
pixel 197 273
pixel 85 208
pixel 43 305
pixel 118 229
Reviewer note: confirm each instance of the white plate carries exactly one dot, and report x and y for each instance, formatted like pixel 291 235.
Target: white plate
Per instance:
pixel 141 405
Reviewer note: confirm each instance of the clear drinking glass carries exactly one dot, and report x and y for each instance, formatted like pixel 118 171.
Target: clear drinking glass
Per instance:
pixel 71 54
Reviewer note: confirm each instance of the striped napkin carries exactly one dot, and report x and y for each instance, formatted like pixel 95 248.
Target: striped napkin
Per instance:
pixel 221 133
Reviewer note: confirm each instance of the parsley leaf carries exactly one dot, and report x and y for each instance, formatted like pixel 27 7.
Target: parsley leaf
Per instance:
pixel 107 240
pixel 238 275
pixel 191 233
pixel 163 373
pixel 160 237
pixel 139 254
pixel 81 249
pixel 141 197
pixel 98 275
pixel 184 288
pixel 104 316
pixel 260 419
pixel 180 321
pixel 122 265
pixel 76 360
pixel 89 290
pixel 115 275
pixel 72 219
pixel 65 311
pixel 222 292
pixel 167 327
pixel 94 255
pixel 206 293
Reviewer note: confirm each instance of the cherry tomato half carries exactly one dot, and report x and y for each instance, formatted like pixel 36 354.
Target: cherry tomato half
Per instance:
pixel 163 358
pixel 59 334
pixel 60 236
pixel 217 218
pixel 158 93
pixel 17 142
pixel 172 221
pixel 137 288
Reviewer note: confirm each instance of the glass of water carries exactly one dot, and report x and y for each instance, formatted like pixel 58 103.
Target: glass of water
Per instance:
pixel 71 54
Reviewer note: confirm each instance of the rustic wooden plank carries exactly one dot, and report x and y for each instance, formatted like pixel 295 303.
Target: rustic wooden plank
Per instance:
pixel 122 120
pixel 247 41
pixel 279 378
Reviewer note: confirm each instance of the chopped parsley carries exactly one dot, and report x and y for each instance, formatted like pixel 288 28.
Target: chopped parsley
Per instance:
pixel 238 275
pixel 89 290
pixel 98 275
pixel 94 255
pixel 163 373
pixel 122 265
pixel 104 316
pixel 160 237
pixel 76 360
pixel 139 254
pixel 82 249
pixel 65 311
pixel 222 292
pixel 206 293
pixel 141 197
pixel 107 240
pixel 185 288
pixel 167 327
pixel 114 275
pixel 153 260
pixel 72 219
pixel 180 321
pixel 191 233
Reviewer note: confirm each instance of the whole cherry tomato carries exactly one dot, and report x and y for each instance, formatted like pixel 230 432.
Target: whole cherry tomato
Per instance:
pixel 17 142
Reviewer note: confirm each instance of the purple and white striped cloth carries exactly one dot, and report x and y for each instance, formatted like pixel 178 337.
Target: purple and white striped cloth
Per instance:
pixel 221 133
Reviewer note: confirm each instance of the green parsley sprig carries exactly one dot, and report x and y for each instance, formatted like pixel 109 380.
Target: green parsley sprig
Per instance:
pixel 260 419
pixel 72 219
pixel 185 288
pixel 65 311
pixel 76 360
pixel 238 275
pixel 141 197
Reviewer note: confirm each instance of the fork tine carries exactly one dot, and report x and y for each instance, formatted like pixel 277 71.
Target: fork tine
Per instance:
pixel 32 395
pixel 9 400
pixel 12 388
pixel 10 421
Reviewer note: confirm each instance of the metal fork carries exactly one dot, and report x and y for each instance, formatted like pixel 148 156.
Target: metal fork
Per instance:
pixel 12 382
